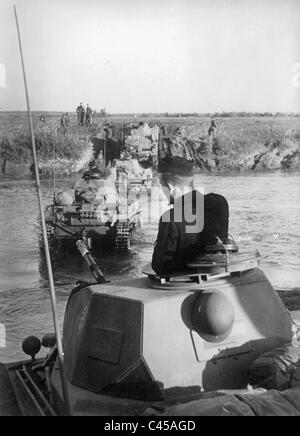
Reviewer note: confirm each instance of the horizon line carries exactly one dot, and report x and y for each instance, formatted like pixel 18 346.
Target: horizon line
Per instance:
pixel 165 113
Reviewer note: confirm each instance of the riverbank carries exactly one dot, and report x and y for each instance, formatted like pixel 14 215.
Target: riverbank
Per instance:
pixel 66 152
pixel 239 145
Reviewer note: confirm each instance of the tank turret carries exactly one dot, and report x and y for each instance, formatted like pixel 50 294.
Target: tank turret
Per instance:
pixel 149 338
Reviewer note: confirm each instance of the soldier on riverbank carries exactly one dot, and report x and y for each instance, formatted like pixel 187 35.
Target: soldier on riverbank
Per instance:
pixel 89 116
pixel 63 124
pixel 213 127
pixel 68 123
pixel 80 115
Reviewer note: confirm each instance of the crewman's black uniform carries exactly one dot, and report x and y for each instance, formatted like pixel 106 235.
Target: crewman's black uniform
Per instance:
pixel 174 246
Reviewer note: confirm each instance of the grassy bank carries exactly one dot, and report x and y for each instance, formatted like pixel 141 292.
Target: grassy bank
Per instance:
pixel 253 144
pixel 240 144
pixel 69 152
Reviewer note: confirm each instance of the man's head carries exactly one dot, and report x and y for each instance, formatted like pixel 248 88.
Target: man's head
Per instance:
pixel 176 176
pixel 175 185
pixel 175 166
pixel 93 165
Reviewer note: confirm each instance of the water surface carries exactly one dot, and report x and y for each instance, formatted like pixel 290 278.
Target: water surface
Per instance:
pixel 264 214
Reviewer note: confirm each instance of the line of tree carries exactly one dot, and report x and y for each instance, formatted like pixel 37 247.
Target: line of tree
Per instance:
pixel 208 114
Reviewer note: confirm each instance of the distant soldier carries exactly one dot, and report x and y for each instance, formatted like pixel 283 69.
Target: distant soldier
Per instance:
pixel 68 122
pixel 78 111
pixel 89 116
pixel 213 127
pixel 82 121
pixel 80 115
pixel 162 131
pixel 63 124
pixel 43 119
pixel 108 131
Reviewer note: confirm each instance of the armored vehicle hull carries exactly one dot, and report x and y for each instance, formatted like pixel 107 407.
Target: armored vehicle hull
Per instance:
pixel 181 344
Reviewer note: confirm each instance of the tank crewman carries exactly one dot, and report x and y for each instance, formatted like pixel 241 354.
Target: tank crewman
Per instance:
pixel 93 169
pixel 85 190
pixel 194 220
pixel 89 116
pixel 107 129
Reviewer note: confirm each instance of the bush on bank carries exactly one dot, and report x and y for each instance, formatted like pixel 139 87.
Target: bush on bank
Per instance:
pixel 51 145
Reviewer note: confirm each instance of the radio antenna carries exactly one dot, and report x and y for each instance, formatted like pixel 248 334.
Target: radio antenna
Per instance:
pixel 44 231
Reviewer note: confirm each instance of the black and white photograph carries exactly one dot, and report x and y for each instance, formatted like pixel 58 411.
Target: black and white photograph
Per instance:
pixel 149 210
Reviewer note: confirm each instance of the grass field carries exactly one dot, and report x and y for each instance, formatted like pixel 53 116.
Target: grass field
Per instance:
pixel 240 144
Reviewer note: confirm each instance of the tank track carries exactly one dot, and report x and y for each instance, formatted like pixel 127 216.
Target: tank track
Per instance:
pixel 123 237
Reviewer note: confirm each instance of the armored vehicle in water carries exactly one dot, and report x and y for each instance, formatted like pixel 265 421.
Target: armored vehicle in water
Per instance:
pixel 190 343
pixel 96 211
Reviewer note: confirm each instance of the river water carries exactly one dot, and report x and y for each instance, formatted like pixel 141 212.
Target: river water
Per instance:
pixel 265 214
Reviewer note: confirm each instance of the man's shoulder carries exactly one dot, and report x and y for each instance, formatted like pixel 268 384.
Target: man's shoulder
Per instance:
pixel 213 197
pixel 216 203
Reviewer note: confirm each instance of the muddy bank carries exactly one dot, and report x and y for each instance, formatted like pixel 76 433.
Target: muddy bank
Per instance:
pixel 213 162
pixel 47 168
pixel 241 151
pixel 238 145
pixel 64 155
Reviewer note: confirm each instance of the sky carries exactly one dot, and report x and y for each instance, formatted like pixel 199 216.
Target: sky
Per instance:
pixel 138 56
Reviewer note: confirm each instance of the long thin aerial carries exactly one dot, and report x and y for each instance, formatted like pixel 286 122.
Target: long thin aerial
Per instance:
pixel 45 239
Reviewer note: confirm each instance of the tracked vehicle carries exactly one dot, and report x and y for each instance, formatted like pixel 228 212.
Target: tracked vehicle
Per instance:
pixel 143 346
pixel 146 345
pixel 113 220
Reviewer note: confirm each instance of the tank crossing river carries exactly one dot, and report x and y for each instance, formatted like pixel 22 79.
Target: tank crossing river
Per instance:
pixel 265 214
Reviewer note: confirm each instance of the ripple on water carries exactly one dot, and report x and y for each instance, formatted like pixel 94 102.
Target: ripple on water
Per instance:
pixel 264 215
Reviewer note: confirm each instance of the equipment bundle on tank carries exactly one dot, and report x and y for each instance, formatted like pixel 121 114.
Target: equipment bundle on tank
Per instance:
pixel 95 211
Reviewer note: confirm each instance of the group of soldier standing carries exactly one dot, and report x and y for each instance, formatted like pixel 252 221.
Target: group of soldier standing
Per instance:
pixel 84 115
pixel 84 118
